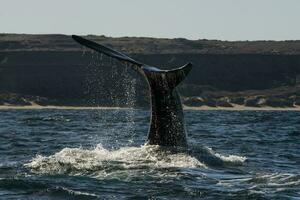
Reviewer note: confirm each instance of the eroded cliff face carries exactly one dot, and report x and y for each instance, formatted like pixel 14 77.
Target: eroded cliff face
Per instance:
pixel 55 67
pixel 70 78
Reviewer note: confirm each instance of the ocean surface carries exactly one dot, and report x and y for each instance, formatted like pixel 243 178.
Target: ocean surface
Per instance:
pixel 100 154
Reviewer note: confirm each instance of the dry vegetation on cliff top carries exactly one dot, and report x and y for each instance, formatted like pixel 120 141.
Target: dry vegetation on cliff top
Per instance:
pixel 19 42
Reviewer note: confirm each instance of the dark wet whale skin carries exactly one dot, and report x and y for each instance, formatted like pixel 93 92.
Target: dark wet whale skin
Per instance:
pixel 167 127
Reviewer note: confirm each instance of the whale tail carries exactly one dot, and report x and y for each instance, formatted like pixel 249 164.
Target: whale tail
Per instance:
pixel 175 76
pixel 167 121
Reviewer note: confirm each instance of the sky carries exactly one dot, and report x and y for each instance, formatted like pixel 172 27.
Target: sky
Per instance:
pixel 192 19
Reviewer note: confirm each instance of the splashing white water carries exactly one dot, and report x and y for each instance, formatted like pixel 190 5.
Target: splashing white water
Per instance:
pixel 234 159
pixel 101 161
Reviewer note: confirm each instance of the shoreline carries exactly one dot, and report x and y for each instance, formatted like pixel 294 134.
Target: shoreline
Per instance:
pixel 38 107
pixel 234 108
pixel 245 108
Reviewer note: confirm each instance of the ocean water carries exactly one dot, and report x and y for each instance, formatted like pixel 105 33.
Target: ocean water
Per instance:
pixel 100 154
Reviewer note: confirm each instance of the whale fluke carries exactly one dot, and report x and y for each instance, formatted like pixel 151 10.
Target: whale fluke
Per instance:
pixel 167 126
pixel 105 50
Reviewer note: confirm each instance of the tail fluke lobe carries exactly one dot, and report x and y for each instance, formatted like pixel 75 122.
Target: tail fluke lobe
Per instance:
pixel 167 79
pixel 176 76
pixel 105 50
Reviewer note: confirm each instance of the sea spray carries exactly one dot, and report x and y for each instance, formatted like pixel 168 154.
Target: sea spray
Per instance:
pixel 99 161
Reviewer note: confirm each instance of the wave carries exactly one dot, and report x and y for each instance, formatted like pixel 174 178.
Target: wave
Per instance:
pixel 267 183
pixel 47 119
pixel 276 180
pixel 233 159
pixel 8 164
pixel 212 158
pixel 41 189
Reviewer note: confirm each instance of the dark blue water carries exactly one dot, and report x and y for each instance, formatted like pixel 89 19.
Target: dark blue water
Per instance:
pixel 99 154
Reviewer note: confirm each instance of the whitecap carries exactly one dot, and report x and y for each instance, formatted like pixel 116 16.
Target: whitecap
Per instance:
pixel 210 157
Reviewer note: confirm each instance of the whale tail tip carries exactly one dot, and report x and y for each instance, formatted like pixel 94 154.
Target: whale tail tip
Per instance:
pixel 172 77
pixel 176 76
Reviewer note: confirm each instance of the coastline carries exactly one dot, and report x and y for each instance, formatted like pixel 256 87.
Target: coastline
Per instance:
pixel 37 107
pixel 245 108
pixel 234 108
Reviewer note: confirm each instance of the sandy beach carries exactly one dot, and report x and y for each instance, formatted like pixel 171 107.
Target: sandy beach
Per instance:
pixel 234 108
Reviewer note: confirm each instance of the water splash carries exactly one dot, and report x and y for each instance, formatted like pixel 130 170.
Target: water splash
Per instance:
pixel 118 87
pixel 212 158
pixel 234 159
pixel 100 162
pixel 130 101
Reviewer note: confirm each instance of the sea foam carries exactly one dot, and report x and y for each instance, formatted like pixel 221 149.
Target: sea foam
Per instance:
pixel 101 160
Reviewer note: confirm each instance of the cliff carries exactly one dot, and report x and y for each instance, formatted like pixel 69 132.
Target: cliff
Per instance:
pixel 53 69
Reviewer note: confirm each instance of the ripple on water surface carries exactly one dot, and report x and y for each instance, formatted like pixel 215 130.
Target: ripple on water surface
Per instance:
pixel 88 154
